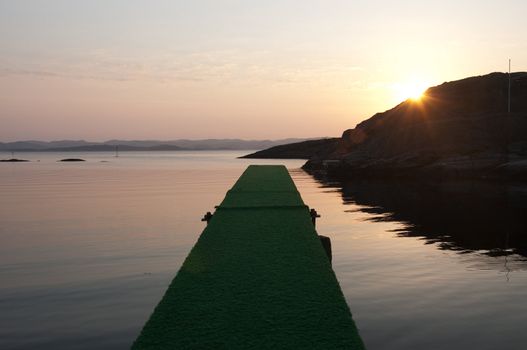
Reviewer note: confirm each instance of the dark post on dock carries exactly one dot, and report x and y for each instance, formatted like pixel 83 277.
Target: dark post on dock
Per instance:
pixel 257 278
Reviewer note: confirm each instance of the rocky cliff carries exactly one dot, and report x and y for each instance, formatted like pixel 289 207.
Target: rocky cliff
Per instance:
pixel 459 128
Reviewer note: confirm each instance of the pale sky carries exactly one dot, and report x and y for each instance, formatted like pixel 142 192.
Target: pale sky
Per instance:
pixel 129 69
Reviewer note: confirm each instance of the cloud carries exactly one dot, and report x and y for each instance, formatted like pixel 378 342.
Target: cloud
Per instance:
pixel 48 74
pixel 234 66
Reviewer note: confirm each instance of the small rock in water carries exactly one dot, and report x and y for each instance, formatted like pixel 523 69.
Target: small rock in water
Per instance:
pixel 72 160
pixel 13 160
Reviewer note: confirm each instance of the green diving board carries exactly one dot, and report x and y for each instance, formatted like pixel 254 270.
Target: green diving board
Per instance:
pixel 257 278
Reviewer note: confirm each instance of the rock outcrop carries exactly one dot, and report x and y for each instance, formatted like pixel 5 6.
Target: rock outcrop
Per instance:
pixel 72 160
pixel 459 128
pixel 14 160
pixel 298 150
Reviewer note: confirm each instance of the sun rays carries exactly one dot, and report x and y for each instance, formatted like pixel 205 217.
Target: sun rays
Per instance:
pixel 410 90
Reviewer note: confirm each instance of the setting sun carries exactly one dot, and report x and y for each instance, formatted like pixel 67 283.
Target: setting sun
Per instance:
pixel 412 90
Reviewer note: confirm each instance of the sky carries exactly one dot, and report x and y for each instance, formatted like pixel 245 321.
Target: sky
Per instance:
pixel 132 69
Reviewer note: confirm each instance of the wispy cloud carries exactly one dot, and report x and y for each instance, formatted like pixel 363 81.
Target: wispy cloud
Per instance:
pixel 222 66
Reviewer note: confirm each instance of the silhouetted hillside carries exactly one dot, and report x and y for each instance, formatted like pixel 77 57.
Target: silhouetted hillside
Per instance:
pixel 142 145
pixel 458 128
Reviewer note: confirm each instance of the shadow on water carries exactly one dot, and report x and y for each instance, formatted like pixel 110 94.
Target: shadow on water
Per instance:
pixel 462 216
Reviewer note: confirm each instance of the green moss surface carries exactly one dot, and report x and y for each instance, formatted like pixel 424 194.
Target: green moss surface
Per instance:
pixel 257 278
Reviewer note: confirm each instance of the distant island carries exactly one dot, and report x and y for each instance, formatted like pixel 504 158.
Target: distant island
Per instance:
pixel 457 129
pixel 142 145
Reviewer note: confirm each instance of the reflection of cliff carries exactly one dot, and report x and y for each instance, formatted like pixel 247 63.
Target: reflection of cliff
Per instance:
pixel 463 216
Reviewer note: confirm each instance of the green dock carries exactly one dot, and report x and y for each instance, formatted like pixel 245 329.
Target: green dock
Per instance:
pixel 257 278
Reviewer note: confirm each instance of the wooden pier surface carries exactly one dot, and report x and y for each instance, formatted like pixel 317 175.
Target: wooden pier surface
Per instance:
pixel 258 278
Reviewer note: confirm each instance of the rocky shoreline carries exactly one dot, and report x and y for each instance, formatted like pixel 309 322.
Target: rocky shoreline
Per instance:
pixel 490 166
pixel 458 129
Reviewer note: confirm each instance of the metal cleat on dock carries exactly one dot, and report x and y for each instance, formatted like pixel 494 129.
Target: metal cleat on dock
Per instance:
pixel 207 217
pixel 314 215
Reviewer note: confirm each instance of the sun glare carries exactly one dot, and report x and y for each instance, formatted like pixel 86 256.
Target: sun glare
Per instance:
pixel 410 90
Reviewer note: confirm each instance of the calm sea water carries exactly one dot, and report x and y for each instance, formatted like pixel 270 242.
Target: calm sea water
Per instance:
pixel 88 249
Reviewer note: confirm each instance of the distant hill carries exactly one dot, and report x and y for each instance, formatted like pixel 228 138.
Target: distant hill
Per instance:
pixel 298 150
pixel 142 145
pixel 111 148
pixel 458 128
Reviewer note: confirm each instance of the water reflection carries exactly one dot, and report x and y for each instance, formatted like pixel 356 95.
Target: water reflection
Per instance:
pixel 464 216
